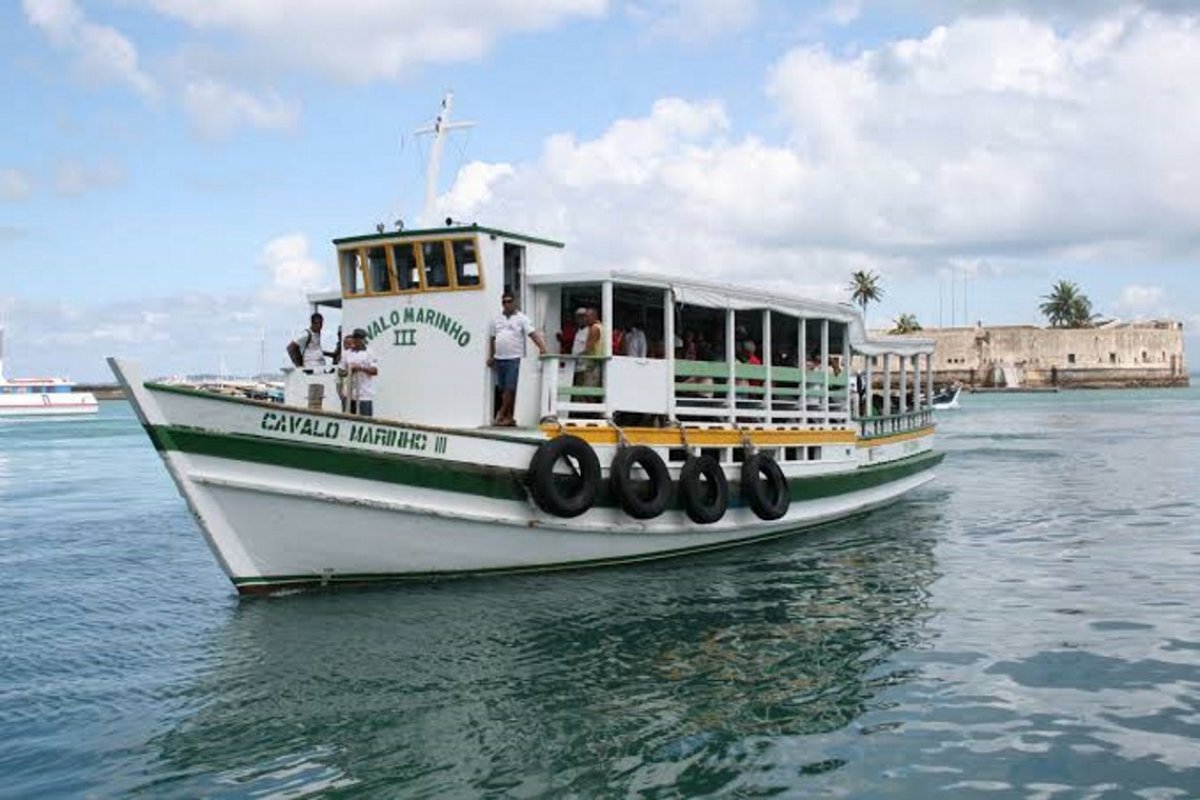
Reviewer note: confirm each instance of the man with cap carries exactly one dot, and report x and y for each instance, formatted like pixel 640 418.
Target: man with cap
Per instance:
pixel 506 345
pixel 360 369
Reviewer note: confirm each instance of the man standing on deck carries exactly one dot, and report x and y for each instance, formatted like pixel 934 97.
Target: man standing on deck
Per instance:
pixel 306 353
pixel 360 368
pixel 506 346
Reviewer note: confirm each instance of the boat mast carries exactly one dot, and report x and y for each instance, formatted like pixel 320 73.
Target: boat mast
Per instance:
pixel 439 128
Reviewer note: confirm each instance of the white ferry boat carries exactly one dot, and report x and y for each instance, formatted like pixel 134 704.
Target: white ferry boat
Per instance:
pixel 22 397
pixel 686 448
pixel 688 441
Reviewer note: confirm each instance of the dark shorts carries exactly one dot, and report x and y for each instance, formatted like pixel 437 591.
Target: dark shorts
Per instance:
pixel 363 408
pixel 506 373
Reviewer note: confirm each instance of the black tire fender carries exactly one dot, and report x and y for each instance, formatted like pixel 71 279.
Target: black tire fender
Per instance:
pixel 627 490
pixel 564 495
pixel 764 487
pixel 703 489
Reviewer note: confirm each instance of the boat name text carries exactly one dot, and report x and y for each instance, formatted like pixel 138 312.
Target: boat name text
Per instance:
pixel 407 337
pixel 377 435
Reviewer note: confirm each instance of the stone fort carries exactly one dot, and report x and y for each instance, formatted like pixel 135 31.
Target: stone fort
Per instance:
pixel 1111 355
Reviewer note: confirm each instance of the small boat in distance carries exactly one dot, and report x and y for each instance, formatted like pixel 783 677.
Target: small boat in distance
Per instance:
pixel 947 397
pixel 22 397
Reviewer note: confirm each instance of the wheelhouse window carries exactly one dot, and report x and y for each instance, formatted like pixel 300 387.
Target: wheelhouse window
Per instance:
pixel 378 271
pixel 351 269
pixel 410 266
pixel 437 273
pixel 408 269
pixel 466 263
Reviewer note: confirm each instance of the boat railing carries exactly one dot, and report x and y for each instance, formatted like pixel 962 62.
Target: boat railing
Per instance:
pixel 886 425
pixel 299 391
pixel 698 392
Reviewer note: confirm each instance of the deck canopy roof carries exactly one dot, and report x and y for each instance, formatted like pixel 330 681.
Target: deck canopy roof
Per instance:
pixel 687 291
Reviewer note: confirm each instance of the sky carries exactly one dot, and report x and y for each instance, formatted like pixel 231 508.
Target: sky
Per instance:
pixel 172 172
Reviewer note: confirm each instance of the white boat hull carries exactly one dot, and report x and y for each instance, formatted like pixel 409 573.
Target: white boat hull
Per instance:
pixel 289 498
pixel 35 405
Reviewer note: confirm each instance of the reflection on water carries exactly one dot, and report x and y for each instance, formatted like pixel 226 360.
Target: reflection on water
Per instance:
pixel 1023 627
pixel 656 676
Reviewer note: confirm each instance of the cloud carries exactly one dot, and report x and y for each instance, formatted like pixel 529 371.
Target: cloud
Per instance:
pixel 102 53
pixel 367 41
pixel 695 20
pixel 989 140
pixel 73 178
pixel 1141 301
pixel 291 271
pixel 15 185
pixel 244 330
pixel 217 110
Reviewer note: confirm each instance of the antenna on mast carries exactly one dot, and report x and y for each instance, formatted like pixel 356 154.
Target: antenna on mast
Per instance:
pixel 439 128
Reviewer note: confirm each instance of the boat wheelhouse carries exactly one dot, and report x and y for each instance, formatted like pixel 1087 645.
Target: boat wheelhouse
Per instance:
pixel 738 415
pixel 21 397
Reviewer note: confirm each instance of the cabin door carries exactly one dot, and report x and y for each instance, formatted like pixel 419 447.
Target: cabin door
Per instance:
pixel 514 272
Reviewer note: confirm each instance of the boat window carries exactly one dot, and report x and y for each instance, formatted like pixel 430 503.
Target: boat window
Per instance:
pixel 433 255
pixel 353 280
pixel 408 270
pixel 377 270
pixel 466 262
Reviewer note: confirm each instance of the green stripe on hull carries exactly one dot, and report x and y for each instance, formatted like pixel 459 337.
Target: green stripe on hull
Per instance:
pixel 407 470
pixel 474 479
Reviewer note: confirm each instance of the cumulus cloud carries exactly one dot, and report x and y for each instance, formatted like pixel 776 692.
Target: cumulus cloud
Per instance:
pixel 367 41
pixel 15 185
pixel 75 178
pixel 291 271
pixel 217 110
pixel 695 20
pixel 102 53
pixel 986 140
pixel 1140 301
pixel 245 329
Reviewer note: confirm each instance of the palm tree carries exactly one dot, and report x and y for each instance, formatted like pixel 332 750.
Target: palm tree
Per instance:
pixel 1067 307
pixel 905 323
pixel 864 289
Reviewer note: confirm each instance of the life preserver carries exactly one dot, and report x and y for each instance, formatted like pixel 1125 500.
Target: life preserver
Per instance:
pixel 764 487
pixel 567 494
pixel 640 499
pixel 703 489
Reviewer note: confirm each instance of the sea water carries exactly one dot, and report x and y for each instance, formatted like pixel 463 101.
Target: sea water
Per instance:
pixel 1025 626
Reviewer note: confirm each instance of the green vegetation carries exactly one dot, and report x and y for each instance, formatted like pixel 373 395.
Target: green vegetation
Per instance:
pixel 1067 307
pixel 864 289
pixel 905 323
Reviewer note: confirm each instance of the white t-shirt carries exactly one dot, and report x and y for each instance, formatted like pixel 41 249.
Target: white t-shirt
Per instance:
pixel 510 333
pixel 635 343
pixel 310 349
pixel 360 385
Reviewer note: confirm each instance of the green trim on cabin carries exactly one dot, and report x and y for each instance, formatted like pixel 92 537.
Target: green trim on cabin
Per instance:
pixel 467 477
pixel 391 236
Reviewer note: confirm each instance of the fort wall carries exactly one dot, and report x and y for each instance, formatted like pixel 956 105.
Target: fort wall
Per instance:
pixel 1115 355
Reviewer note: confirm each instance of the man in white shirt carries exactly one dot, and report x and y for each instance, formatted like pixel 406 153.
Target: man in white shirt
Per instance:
pixel 360 367
pixel 634 341
pixel 306 353
pixel 506 346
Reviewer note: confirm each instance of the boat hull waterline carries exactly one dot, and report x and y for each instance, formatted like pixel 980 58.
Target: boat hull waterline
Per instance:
pixel 289 498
